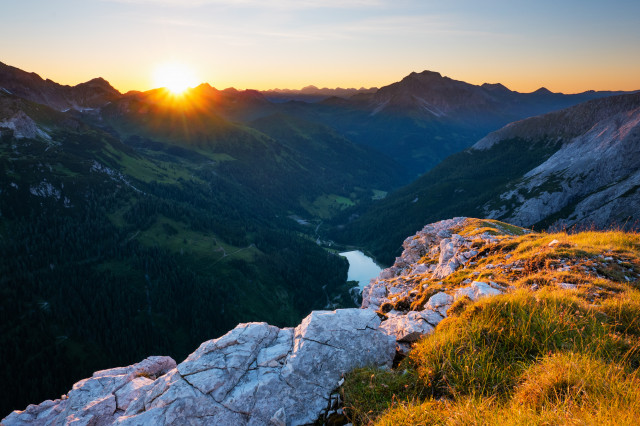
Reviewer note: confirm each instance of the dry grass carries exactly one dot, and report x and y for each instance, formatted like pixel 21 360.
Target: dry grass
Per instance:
pixel 544 353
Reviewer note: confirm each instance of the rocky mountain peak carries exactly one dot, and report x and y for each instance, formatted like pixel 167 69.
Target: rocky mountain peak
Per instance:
pixel 495 87
pixel 429 94
pixel 100 83
pixel 91 94
pixel 424 75
pixel 543 91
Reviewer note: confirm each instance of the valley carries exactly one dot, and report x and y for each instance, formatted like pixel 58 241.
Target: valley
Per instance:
pixel 145 222
pixel 573 167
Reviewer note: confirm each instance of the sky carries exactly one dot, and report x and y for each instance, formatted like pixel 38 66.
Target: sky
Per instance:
pixel 564 45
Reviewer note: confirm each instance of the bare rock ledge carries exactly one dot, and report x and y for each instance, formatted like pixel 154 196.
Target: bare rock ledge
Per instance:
pixel 256 374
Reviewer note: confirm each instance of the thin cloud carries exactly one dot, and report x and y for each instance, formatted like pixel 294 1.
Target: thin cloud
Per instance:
pixel 261 4
pixel 393 26
pixel 416 25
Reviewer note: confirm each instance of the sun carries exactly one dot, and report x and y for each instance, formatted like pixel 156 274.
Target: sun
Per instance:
pixel 175 77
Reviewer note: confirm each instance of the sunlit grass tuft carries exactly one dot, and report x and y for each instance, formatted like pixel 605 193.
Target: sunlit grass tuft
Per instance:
pixel 561 347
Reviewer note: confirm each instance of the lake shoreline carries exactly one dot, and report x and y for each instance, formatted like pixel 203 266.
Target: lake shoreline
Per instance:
pixel 362 268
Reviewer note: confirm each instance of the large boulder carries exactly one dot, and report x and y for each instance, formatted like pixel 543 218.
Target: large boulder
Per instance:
pixel 254 375
pixel 410 327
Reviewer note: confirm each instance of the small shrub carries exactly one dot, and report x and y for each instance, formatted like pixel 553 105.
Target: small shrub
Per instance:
pixel 386 307
pixel 403 304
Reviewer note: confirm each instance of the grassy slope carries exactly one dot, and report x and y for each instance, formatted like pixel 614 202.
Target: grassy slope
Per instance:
pixel 459 186
pixel 296 163
pixel 549 356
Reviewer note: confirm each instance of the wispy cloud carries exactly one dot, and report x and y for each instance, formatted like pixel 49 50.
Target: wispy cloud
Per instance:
pixel 261 4
pixel 392 27
pixel 414 24
pixel 401 26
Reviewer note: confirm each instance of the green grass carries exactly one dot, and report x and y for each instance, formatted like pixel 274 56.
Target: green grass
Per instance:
pixel 547 355
pixel 204 248
pixel 148 170
pixel 378 195
pixel 370 391
pixel 565 388
pixel 327 205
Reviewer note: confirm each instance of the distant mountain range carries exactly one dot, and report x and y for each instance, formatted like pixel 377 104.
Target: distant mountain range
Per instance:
pixel 313 93
pixel 578 166
pixel 417 121
pixel 429 95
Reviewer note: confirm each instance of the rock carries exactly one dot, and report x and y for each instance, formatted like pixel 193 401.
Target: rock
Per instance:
pixel 448 261
pixel 279 418
pixel 440 302
pixel 95 400
pixel 255 374
pixel 131 391
pixel 567 286
pixel 403 348
pixel 476 290
pixel 409 327
pixel 23 126
pixel 374 294
pixel 553 243
pixel 420 269
pixel 217 365
pixel 435 239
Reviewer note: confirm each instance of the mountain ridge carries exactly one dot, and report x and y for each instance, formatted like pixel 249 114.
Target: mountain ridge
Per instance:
pixel 90 94
pixel 417 121
pixel 491 178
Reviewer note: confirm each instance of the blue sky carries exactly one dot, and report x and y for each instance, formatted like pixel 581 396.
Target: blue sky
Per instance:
pixel 567 46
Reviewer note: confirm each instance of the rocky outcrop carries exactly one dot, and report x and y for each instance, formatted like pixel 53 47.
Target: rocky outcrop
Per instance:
pixel 96 400
pixel 436 240
pixel 397 288
pixel 23 126
pixel 256 374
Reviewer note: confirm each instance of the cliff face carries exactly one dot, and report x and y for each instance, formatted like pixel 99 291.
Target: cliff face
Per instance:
pixel 592 179
pixel 260 374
